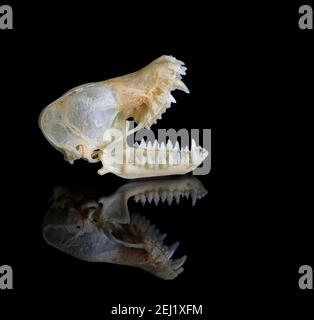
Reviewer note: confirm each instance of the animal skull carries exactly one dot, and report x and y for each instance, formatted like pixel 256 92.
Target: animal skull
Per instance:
pixel 104 231
pixel 90 122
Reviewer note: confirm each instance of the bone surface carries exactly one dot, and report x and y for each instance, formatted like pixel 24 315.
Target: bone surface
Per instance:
pixel 90 122
pixel 103 230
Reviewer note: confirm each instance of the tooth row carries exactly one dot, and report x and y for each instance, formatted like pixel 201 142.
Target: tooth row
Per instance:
pixel 154 153
pixel 164 195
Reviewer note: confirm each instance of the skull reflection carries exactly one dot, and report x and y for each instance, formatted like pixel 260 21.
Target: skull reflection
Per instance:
pixel 105 231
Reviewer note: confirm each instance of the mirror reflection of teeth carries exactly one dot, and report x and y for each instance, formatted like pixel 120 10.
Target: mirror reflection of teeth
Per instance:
pixel 103 230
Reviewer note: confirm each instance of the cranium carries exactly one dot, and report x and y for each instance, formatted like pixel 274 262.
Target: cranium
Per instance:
pixel 90 122
pixel 103 230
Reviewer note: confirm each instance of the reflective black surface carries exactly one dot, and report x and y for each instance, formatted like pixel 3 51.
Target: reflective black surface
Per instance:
pixel 249 72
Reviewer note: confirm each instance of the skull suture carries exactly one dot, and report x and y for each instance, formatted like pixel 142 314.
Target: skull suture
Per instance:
pixel 89 122
pixel 103 230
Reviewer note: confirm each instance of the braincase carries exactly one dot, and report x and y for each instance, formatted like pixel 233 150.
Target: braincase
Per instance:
pixel 83 113
pixel 91 110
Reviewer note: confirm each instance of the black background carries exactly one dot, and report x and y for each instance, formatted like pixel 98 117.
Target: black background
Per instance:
pixel 250 72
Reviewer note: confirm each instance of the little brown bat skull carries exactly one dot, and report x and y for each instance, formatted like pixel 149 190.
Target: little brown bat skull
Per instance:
pixel 90 122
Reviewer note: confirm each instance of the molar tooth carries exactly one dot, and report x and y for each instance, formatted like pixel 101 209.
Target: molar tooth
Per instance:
pixel 169 198
pixel 178 157
pixel 163 196
pixel 162 155
pixel 194 197
pixel 143 199
pixel 143 144
pixel 155 145
pixel 150 197
pixel 169 145
pixel 156 198
pixel 177 196
pixel 172 157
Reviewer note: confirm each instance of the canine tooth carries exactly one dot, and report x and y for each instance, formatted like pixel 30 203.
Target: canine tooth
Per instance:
pixel 150 197
pixel 143 144
pixel 181 86
pixel 156 198
pixel 169 198
pixel 177 196
pixel 172 249
pixel 143 199
pixel 179 262
pixel 163 196
pixel 194 197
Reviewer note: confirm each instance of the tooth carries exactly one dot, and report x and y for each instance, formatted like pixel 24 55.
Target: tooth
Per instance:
pixel 169 198
pixel 177 196
pixel 179 262
pixel 185 155
pixel 169 145
pixel 143 144
pixel 163 196
pixel 162 155
pixel 193 198
pixel 178 157
pixel 150 197
pixel 172 99
pixel 143 199
pixel 177 146
pixel 172 157
pixel 181 86
pixel 187 194
pixel 136 198
pixel 193 144
pixel 136 144
pixel 155 145
pixel 172 249
pixel 162 237
pixel 140 158
pixel 156 198
pixel 149 145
